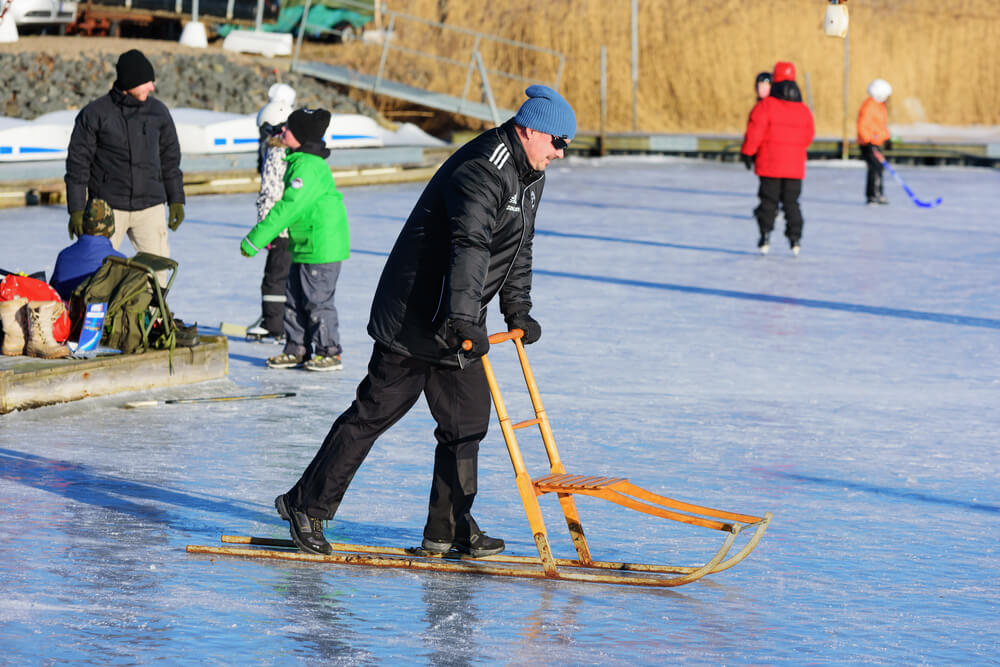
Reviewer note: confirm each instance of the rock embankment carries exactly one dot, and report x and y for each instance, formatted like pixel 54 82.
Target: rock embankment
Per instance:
pixel 35 83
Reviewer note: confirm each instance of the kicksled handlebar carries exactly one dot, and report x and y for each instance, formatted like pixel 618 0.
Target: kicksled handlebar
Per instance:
pixel 500 337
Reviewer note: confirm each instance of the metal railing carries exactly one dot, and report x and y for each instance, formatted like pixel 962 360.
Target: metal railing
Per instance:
pixel 472 62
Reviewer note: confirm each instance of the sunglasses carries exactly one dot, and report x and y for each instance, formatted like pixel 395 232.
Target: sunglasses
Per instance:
pixel 560 143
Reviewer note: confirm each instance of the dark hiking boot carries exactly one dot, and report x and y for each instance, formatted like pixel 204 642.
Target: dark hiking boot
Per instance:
pixel 186 335
pixel 479 545
pixel 307 532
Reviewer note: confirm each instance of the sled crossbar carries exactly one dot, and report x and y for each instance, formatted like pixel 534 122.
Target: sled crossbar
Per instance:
pixel 583 568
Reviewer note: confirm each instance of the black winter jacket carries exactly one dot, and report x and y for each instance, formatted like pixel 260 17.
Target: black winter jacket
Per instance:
pixel 468 238
pixel 125 152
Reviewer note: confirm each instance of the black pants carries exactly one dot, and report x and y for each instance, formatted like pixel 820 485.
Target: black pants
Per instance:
pixel 873 184
pixel 272 288
pixel 783 191
pixel 459 401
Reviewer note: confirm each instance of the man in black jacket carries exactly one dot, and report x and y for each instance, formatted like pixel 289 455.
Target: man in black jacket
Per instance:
pixel 124 150
pixel 467 240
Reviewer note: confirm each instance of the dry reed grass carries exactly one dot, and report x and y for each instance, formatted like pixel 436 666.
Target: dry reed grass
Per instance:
pixel 698 60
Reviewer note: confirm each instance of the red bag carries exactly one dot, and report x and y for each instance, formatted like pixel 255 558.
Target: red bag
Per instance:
pixel 33 289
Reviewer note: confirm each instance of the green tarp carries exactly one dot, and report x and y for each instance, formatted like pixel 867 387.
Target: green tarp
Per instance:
pixel 320 18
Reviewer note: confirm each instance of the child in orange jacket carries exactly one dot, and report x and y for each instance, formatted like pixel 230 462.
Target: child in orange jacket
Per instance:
pixel 873 132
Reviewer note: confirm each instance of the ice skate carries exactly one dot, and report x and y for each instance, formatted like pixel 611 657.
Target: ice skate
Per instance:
pixel 258 333
pixel 764 244
pixel 262 335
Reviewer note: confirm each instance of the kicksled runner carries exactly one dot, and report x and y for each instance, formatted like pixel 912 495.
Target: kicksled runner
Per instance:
pixel 565 485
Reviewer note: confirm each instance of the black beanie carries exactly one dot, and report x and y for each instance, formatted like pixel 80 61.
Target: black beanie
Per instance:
pixel 309 125
pixel 134 69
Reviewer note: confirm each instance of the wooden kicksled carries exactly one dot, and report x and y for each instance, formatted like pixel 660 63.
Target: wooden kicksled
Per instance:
pixel 565 485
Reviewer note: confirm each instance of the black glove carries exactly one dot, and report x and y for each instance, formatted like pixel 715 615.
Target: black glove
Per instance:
pixel 747 160
pixel 176 216
pixel 457 332
pixel 75 224
pixel 887 145
pixel 526 323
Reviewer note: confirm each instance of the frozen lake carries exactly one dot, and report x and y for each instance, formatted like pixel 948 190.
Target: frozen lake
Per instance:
pixel 851 391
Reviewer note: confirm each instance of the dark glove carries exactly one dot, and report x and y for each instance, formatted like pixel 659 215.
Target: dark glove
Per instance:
pixel 176 216
pixel 457 332
pixel 887 145
pixel 747 160
pixel 526 323
pixel 75 224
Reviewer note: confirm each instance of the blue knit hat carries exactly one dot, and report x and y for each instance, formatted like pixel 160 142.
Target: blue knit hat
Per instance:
pixel 545 110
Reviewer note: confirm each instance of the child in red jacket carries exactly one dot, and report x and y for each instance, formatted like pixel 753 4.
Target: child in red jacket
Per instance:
pixel 778 133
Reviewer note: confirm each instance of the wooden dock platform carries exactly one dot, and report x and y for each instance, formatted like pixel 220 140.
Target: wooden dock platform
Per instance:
pixel 27 382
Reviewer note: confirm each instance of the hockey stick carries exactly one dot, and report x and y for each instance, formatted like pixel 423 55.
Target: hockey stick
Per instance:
pixel 210 399
pixel 906 188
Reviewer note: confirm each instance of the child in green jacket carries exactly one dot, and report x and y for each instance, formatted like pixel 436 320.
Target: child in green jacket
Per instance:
pixel 312 209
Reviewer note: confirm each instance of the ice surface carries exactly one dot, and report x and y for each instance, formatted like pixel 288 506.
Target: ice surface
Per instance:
pixel 852 391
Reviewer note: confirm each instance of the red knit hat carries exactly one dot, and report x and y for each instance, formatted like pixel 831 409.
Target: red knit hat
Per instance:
pixel 784 71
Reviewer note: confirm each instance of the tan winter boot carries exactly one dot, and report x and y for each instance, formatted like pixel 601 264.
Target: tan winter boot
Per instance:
pixel 42 315
pixel 13 313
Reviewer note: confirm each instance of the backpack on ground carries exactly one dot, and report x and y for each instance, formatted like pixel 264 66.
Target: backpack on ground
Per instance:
pixel 137 316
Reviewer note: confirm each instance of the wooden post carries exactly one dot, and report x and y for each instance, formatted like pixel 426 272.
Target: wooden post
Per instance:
pixel 601 140
pixel 847 70
pixel 635 65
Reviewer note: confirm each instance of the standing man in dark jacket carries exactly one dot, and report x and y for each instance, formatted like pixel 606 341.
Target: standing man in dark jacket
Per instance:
pixel 124 150
pixel 467 240
pixel 778 133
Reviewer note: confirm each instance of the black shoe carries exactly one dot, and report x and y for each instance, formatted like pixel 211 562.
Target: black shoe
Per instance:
pixel 307 532
pixel 479 545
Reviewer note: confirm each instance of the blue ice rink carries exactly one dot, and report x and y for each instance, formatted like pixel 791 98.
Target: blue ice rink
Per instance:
pixel 852 391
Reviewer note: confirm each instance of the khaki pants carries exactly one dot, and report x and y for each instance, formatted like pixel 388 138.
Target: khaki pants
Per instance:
pixel 147 230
